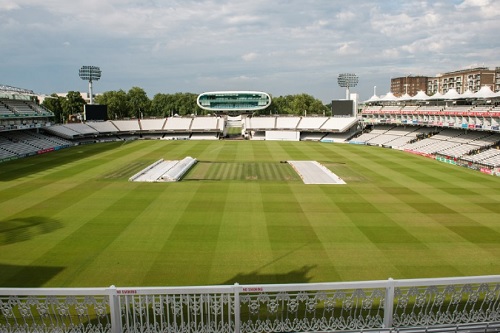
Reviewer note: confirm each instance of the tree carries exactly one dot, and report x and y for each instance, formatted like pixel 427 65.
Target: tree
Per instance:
pixel 138 102
pixel 298 105
pixel 116 102
pixel 72 104
pixel 165 105
pixel 54 104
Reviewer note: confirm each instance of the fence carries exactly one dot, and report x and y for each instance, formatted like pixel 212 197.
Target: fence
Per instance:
pixel 392 305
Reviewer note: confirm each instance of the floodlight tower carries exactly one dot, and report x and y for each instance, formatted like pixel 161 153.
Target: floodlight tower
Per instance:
pixel 90 73
pixel 347 80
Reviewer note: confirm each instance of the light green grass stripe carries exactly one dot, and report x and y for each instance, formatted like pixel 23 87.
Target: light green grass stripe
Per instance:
pixel 194 236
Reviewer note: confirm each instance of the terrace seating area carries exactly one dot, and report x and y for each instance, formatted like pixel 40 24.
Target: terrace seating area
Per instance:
pixel 25 143
pixel 489 157
pixel 453 143
pixel 178 124
pixel 126 129
pixel 127 125
pixel 68 131
pixel 152 124
pixel 5 111
pixel 319 126
pixel 103 127
pixel 287 122
pixel 20 107
pixel 260 123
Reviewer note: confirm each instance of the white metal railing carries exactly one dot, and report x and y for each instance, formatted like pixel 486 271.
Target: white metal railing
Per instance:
pixel 389 305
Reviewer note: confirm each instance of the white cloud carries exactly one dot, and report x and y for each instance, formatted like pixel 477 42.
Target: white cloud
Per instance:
pixel 473 3
pixel 249 56
pixel 206 43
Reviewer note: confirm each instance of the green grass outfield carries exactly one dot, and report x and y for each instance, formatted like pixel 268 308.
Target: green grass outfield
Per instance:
pixel 71 218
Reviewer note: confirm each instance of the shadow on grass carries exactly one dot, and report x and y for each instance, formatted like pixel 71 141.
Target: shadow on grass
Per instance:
pixel 22 229
pixel 299 275
pixel 26 276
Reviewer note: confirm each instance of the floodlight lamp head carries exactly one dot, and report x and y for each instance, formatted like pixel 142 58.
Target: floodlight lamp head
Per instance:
pixel 347 80
pixel 90 73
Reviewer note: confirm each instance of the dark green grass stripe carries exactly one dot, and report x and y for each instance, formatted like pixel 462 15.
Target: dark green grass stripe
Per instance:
pixel 274 173
pixel 53 205
pixel 79 249
pixel 194 236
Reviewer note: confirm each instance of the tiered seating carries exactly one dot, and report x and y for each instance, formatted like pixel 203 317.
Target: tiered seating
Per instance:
pixel 311 123
pixel 103 126
pixel 487 140
pixel 53 140
pixel 41 109
pixel 337 137
pixel 4 111
pixel 260 123
pixel 482 108
pixel 287 122
pixel 458 108
pixel 493 161
pixel 431 108
pixel 372 109
pixel 392 108
pixel 399 141
pixel 127 125
pixel 152 124
pixel 36 141
pixel 383 139
pixel 381 129
pixel 178 124
pixel 81 128
pixel 486 154
pixel 20 107
pixel 20 148
pixel 363 138
pixel 450 142
pixel 63 131
pixel 4 154
pixel 339 124
pixel 204 124
pixel 410 108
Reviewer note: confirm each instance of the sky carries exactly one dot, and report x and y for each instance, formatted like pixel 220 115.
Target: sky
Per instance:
pixel 278 46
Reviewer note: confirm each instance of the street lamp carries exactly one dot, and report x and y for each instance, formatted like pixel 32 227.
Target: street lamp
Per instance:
pixel 90 73
pixel 347 80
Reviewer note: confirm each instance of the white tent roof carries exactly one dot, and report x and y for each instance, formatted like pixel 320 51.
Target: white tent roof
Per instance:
pixel 467 94
pixel 405 97
pixel 437 95
pixel 451 94
pixel 420 96
pixel 389 97
pixel 484 92
pixel 374 98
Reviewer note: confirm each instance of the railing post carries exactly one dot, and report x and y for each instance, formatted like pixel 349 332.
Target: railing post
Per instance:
pixel 389 304
pixel 237 317
pixel 114 309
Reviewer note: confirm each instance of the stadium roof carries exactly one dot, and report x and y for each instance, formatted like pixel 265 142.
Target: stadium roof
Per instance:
pixel 15 90
pixel 484 93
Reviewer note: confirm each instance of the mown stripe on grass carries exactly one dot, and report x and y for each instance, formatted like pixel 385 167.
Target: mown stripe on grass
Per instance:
pixel 79 249
pixel 188 252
